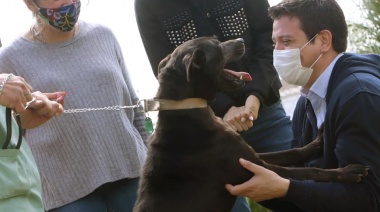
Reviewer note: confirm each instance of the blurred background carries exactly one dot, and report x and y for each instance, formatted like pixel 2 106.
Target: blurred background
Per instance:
pixel 119 15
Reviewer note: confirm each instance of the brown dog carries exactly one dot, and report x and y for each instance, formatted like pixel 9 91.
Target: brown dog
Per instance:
pixel 192 153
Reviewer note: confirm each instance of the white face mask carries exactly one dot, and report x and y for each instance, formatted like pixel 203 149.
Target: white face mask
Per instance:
pixel 289 67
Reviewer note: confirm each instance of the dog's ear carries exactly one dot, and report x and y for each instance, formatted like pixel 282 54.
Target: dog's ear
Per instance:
pixel 194 62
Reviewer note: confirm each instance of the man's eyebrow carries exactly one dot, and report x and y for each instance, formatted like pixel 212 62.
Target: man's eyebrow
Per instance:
pixel 285 36
pixel 282 37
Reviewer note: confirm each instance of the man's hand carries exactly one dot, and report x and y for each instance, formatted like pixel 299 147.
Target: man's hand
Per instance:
pixel 264 185
pixel 242 118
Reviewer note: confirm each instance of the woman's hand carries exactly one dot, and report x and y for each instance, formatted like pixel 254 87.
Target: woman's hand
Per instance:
pixel 15 93
pixel 46 106
pixel 242 118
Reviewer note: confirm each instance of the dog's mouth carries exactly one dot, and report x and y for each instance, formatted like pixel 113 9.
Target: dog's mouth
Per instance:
pixel 232 80
pixel 241 75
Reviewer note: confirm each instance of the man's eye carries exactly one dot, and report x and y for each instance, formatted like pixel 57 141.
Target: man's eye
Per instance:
pixel 286 42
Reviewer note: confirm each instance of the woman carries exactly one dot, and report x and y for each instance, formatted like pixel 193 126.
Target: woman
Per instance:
pixel 88 161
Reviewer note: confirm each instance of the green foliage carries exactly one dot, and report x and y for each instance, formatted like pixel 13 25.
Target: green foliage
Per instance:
pixel 365 37
pixel 255 207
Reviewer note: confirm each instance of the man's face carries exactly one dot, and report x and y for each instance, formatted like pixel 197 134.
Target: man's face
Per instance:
pixel 287 34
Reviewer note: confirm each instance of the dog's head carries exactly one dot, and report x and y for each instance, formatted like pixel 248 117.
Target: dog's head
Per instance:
pixel 195 69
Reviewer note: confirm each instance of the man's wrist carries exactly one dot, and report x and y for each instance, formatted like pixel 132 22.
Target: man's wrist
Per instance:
pixel 283 187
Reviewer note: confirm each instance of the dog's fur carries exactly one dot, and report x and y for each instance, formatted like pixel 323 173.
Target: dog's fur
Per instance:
pixel 193 154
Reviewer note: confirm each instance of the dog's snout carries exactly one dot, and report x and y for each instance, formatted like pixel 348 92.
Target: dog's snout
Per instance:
pixel 241 40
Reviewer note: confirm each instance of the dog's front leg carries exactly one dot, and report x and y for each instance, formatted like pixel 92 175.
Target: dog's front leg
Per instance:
pixel 296 156
pixel 352 173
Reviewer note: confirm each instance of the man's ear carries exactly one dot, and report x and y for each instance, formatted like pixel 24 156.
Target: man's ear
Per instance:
pixel 194 62
pixel 326 40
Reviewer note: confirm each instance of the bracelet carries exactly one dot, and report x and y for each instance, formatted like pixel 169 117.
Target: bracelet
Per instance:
pixel 4 81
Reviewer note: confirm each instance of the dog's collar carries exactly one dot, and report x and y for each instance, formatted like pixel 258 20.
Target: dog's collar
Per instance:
pixel 166 104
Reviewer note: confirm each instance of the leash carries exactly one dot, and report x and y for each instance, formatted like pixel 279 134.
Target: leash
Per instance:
pixel 143 105
pixel 149 105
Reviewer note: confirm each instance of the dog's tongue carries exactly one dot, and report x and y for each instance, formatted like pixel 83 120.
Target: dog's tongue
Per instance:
pixel 241 75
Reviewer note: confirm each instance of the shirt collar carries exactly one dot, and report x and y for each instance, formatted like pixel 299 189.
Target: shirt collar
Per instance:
pixel 319 88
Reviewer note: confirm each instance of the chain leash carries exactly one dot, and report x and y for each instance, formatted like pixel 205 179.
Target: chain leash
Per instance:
pixel 142 108
pixel 109 108
pixel 139 106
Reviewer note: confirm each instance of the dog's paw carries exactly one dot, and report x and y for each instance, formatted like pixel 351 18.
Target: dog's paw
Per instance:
pixel 353 173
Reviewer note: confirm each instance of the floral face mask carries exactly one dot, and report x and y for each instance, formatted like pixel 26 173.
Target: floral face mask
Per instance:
pixel 63 18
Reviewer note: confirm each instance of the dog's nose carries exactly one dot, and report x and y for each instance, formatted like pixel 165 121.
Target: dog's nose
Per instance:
pixel 240 40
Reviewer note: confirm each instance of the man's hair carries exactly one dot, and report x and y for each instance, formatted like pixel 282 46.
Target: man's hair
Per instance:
pixel 315 16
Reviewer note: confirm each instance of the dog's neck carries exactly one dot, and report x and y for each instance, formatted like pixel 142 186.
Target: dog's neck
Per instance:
pixel 166 104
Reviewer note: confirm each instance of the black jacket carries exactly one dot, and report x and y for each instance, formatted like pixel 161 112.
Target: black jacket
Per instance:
pixel 165 24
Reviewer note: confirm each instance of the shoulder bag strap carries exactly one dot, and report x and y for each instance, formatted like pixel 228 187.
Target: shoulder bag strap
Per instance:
pixel 8 122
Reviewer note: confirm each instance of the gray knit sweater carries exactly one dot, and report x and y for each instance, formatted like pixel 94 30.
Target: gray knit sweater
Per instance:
pixel 76 153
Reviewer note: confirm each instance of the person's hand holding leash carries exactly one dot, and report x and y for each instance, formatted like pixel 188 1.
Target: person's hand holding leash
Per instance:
pixel 264 185
pixel 14 92
pixel 45 106
pixel 242 118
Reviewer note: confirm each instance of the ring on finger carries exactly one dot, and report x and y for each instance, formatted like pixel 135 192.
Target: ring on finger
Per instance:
pixel 30 102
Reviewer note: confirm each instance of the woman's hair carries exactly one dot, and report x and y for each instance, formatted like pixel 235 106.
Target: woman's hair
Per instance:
pixel 315 16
